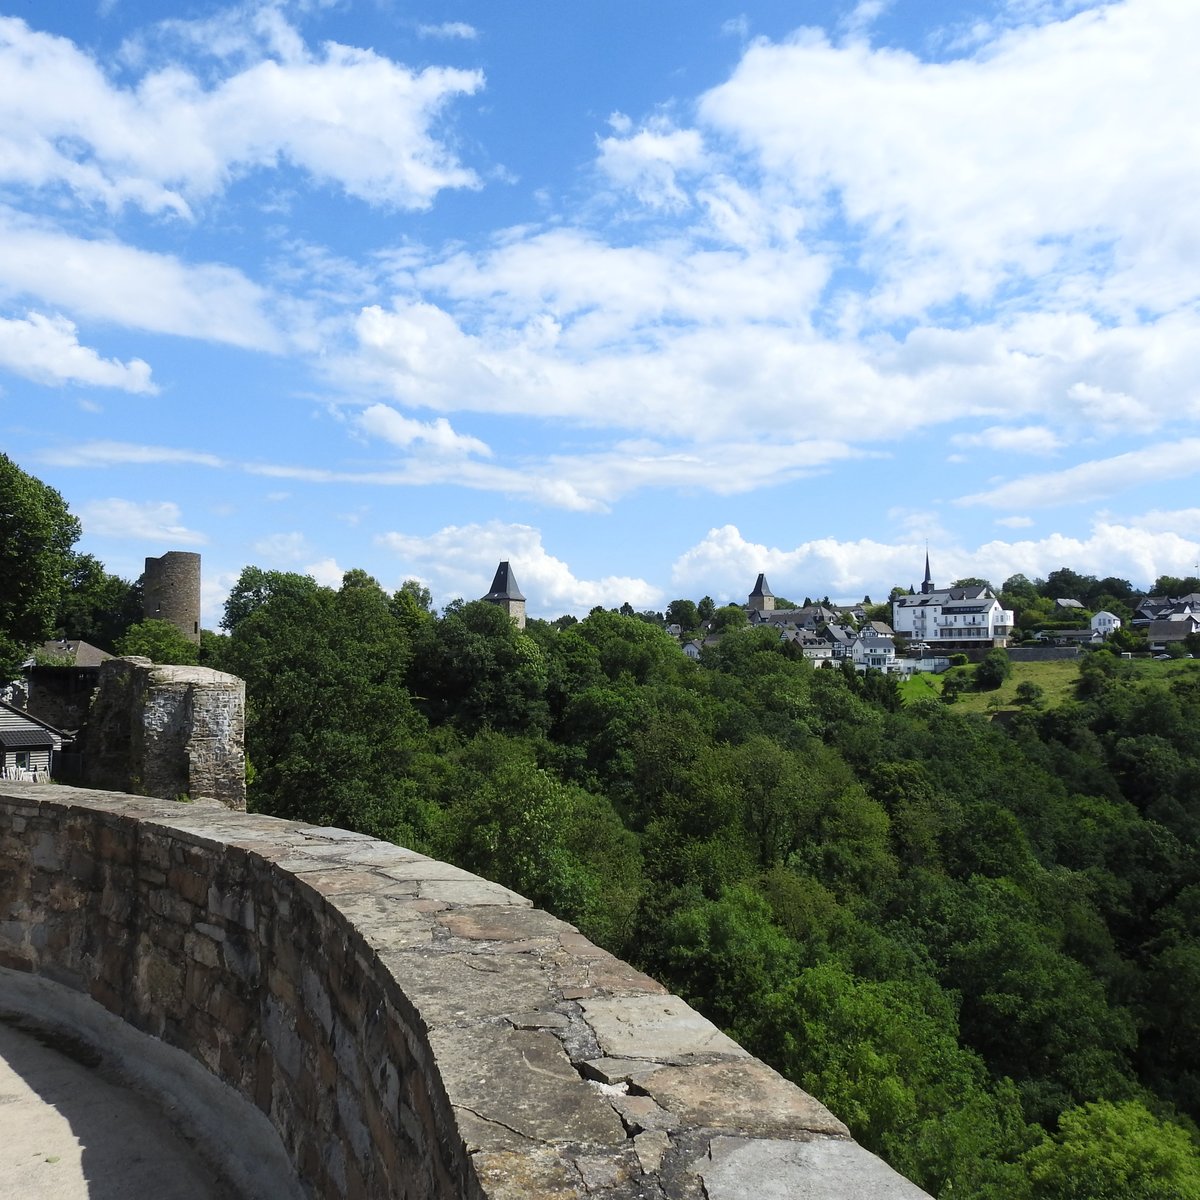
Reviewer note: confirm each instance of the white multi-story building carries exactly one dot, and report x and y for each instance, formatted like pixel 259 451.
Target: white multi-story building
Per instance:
pixel 956 618
pixel 1105 623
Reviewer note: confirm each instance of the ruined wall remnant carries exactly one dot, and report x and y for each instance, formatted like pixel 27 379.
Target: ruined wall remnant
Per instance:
pixel 167 732
pixel 409 1029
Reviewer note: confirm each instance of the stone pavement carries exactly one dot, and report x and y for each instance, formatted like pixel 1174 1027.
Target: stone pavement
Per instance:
pixel 67 1133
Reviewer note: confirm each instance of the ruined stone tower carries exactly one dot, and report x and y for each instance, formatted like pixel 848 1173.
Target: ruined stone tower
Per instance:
pixel 507 594
pixel 171 591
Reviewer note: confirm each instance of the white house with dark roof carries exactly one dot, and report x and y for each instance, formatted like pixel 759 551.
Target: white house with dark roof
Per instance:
pixel 955 618
pixel 1105 623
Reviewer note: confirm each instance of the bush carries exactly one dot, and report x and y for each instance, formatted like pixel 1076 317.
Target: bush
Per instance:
pixel 994 670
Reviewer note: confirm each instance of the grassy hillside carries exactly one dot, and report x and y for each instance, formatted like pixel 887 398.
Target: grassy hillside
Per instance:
pixel 1057 680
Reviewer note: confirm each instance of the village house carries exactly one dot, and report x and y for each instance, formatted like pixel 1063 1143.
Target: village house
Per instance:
pixel 27 745
pixel 961 618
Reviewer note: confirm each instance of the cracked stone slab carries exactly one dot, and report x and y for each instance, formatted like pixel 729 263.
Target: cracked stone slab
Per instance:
pixel 598 972
pixel 619 1070
pixel 822 1169
pixel 539 1020
pixel 522 1082
pixel 471 890
pixel 525 925
pixel 520 1175
pixel 745 1095
pixel 655 1027
pixel 457 989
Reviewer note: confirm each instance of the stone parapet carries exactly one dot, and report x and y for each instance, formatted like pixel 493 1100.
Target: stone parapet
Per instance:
pixel 409 1029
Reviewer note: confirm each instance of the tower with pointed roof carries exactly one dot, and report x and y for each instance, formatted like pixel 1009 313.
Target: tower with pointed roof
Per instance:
pixel 927 587
pixel 762 598
pixel 507 594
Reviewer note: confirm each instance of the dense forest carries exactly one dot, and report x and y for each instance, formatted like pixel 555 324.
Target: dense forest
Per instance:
pixel 978 941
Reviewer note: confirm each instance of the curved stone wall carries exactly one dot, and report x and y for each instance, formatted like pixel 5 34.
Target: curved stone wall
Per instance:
pixel 409 1029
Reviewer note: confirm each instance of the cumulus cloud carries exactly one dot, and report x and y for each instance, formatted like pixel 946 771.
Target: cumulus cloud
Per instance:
pixel 46 349
pixel 151 521
pixel 459 560
pixel 647 162
pixel 342 115
pixel 326 572
pixel 1004 182
pixel 383 422
pixel 726 563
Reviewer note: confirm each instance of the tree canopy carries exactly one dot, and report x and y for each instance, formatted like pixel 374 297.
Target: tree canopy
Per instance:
pixel 37 532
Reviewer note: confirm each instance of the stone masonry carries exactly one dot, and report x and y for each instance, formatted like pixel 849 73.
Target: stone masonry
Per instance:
pixel 409 1029
pixel 167 732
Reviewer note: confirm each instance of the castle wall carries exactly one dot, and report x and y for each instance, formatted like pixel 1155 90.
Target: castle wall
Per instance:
pixel 407 1028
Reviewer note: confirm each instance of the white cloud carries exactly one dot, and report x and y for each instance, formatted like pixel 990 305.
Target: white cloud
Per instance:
pixel 326 572
pixel 283 547
pixel 343 115
pixel 120 454
pixel 1016 522
pixel 383 422
pixel 46 349
pixel 724 563
pixel 1028 439
pixel 1096 480
pixel 449 29
pixel 649 162
pixel 136 288
pixel 460 560
pixel 1045 155
pixel 151 521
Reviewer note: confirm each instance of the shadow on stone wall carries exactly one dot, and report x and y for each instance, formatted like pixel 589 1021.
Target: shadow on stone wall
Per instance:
pixel 408 1028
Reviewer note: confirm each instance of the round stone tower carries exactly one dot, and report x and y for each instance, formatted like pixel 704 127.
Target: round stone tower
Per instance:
pixel 171 591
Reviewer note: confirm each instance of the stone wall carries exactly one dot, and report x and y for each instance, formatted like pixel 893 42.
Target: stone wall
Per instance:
pixel 167 732
pixel 409 1029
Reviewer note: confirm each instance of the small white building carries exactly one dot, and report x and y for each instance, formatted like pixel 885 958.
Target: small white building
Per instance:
pixel 873 650
pixel 1105 623
pixel 27 745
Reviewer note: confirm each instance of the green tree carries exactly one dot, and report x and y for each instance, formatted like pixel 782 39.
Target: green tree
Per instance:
pixel 683 613
pixel 706 608
pixel 1106 1151
pixel 160 642
pixel 255 587
pixel 96 607
pixel 37 532
pixel 731 616
pixel 994 670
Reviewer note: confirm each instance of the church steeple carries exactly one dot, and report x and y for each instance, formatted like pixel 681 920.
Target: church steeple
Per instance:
pixel 927 584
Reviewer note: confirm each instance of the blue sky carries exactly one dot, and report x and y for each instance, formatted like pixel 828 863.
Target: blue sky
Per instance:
pixel 644 298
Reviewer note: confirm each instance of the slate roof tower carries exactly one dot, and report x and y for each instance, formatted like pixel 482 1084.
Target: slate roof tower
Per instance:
pixel 762 598
pixel 507 594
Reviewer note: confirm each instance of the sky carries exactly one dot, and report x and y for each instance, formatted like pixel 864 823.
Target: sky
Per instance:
pixel 644 298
